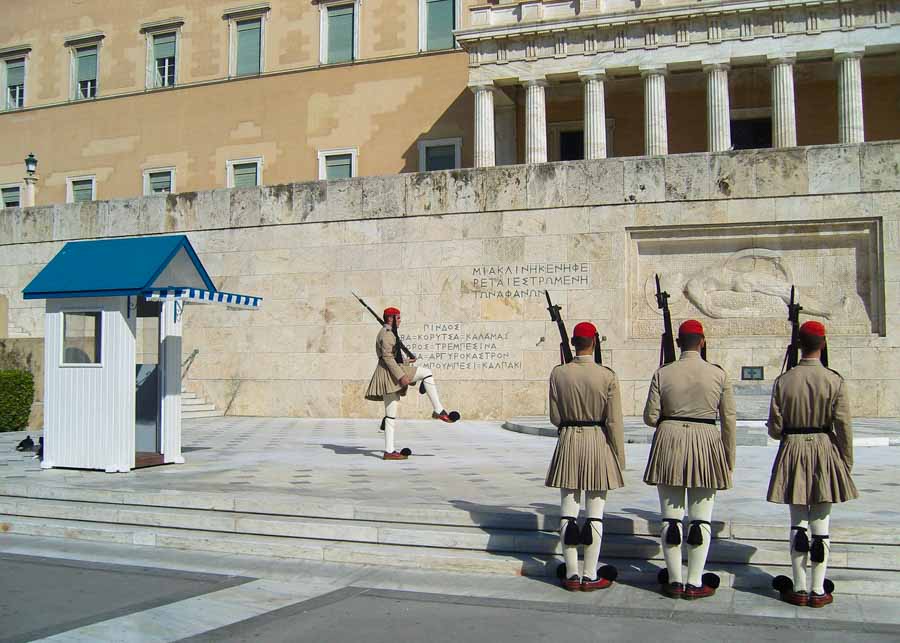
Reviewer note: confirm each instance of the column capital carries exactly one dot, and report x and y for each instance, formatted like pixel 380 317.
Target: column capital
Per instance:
pixel 482 85
pixel 653 70
pixel 533 81
pixel 848 52
pixel 592 74
pixel 715 65
pixel 781 59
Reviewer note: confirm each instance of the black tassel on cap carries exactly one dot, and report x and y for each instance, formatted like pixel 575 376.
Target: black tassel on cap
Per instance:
pixel 801 540
pixel 695 535
pixel 673 533
pixel 571 535
pixel 817 551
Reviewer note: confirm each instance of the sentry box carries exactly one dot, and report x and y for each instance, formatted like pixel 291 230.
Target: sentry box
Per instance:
pixel 112 349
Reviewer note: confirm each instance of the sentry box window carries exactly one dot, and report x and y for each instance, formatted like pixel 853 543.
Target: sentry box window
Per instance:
pixel 751 372
pixel 81 338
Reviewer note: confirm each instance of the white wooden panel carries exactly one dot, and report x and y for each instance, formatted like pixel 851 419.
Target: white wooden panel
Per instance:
pixel 170 357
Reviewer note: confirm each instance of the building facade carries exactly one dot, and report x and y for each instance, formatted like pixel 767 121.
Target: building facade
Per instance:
pixel 122 99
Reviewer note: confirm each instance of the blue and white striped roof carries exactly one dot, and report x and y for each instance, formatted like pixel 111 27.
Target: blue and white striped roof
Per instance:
pixel 199 296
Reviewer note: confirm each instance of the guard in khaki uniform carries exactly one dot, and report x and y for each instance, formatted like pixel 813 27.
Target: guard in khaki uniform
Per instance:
pixel 391 380
pixel 810 414
pixel 689 456
pixel 590 455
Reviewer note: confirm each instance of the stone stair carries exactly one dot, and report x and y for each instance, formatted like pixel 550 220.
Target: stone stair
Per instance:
pixel 450 539
pixel 193 406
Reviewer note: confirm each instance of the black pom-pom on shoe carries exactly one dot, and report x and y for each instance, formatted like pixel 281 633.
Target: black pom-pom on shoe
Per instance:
pixel 711 580
pixel 608 572
pixel 782 584
pixel 454 416
pixel 829 586
pixel 406 451
pixel 662 577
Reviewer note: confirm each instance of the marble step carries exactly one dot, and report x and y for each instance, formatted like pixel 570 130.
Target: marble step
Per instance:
pixel 191 414
pixel 433 536
pixel 197 405
pixel 635 572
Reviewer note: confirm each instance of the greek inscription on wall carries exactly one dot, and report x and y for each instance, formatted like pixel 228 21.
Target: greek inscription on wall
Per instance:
pixel 458 347
pixel 527 281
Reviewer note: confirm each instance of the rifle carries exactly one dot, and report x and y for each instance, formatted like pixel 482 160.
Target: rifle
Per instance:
pixel 791 356
pixel 565 351
pixel 667 341
pixel 399 348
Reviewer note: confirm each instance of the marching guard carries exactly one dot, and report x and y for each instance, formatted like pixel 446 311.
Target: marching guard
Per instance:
pixel 585 405
pixel 392 378
pixel 689 456
pixel 810 414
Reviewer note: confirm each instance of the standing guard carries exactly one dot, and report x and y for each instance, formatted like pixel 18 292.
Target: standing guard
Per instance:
pixel 810 414
pixel 391 380
pixel 689 456
pixel 590 455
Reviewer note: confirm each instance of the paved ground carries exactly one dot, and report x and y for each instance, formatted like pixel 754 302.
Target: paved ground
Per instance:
pixel 476 466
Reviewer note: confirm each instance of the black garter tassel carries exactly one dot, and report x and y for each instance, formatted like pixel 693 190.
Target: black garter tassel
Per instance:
pixel 695 535
pixel 571 535
pixel 817 551
pixel 801 540
pixel 587 533
pixel 673 533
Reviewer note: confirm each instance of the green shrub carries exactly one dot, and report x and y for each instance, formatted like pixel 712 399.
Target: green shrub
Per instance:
pixel 16 395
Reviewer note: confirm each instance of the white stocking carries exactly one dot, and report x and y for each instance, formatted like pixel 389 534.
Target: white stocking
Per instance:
pixel 570 504
pixel 819 520
pixel 700 508
pixel 671 505
pixel 594 503
pixel 430 387
pixel 391 406
pixel 799 559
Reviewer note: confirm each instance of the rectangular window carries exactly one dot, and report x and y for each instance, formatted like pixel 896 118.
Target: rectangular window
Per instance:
pixel 249 42
pixel 10 197
pixel 81 190
pixel 338 166
pixel 439 154
pixel 159 182
pixel 440 16
pixel 164 58
pixel 340 34
pixel 86 72
pixel 81 338
pixel 15 83
pixel 246 175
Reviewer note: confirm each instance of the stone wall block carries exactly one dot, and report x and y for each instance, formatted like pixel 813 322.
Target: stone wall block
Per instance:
pixel 276 204
pixel 124 215
pixel 889 399
pixel 32 225
pixel 504 251
pixel 465 191
pixel 245 207
pixel 594 182
pixel 66 224
pixel 644 179
pixel 505 187
pixel 344 200
pixel 181 212
pixel 309 202
pixel 732 175
pixel 880 166
pixel 687 177
pixel 383 197
pixel 781 172
pixel 833 168
pixel 213 209
pixel 152 215
pixel 8 226
pixel 545 185
pixel 426 193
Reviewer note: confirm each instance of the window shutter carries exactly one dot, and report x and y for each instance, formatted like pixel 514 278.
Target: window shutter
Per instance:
pixel 15 72
pixel 87 64
pixel 11 198
pixel 160 182
pixel 82 190
pixel 248 47
pixel 164 46
pixel 439 24
pixel 245 175
pixel 340 33
pixel 339 166
pixel 440 157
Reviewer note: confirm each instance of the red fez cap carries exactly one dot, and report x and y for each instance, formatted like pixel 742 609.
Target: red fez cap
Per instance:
pixel 584 329
pixel 391 311
pixel 813 328
pixel 690 327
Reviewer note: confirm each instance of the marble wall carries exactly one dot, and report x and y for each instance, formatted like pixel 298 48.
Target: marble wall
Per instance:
pixel 467 255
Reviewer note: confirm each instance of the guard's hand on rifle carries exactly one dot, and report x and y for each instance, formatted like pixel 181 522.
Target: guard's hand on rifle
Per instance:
pixel 404 381
pixel 411 360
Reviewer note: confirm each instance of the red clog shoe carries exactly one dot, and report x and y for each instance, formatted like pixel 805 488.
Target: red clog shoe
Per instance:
pixel 589 585
pixel 393 455
pixel 692 593
pixel 820 600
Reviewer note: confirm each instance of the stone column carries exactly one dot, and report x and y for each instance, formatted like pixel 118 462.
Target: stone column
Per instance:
pixel 718 107
pixel 656 136
pixel 594 113
pixel 484 124
pixel 28 191
pixel 784 114
pixel 535 120
pixel 850 97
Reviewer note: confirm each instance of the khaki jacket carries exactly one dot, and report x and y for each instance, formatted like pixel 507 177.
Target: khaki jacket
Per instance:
pixel 811 395
pixel 582 391
pixel 692 387
pixel 386 378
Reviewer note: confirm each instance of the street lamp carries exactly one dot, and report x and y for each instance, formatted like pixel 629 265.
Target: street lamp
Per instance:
pixel 31 165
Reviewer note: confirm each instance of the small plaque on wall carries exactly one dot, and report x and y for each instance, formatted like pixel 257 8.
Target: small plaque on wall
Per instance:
pixel 751 372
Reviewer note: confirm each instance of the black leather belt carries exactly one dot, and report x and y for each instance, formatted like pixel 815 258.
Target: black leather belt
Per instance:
pixel 804 430
pixel 573 423
pixel 679 418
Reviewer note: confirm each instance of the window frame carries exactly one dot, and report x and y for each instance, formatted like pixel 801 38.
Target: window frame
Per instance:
pixel 70 191
pixel 423 26
pixel 229 170
pixel 6 186
pixel 555 129
pixel 146 179
pixel 98 335
pixel 323 30
pixel 74 44
pixel 322 157
pixel 425 143
pixel 233 17
pixel 150 32
pixel 5 59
